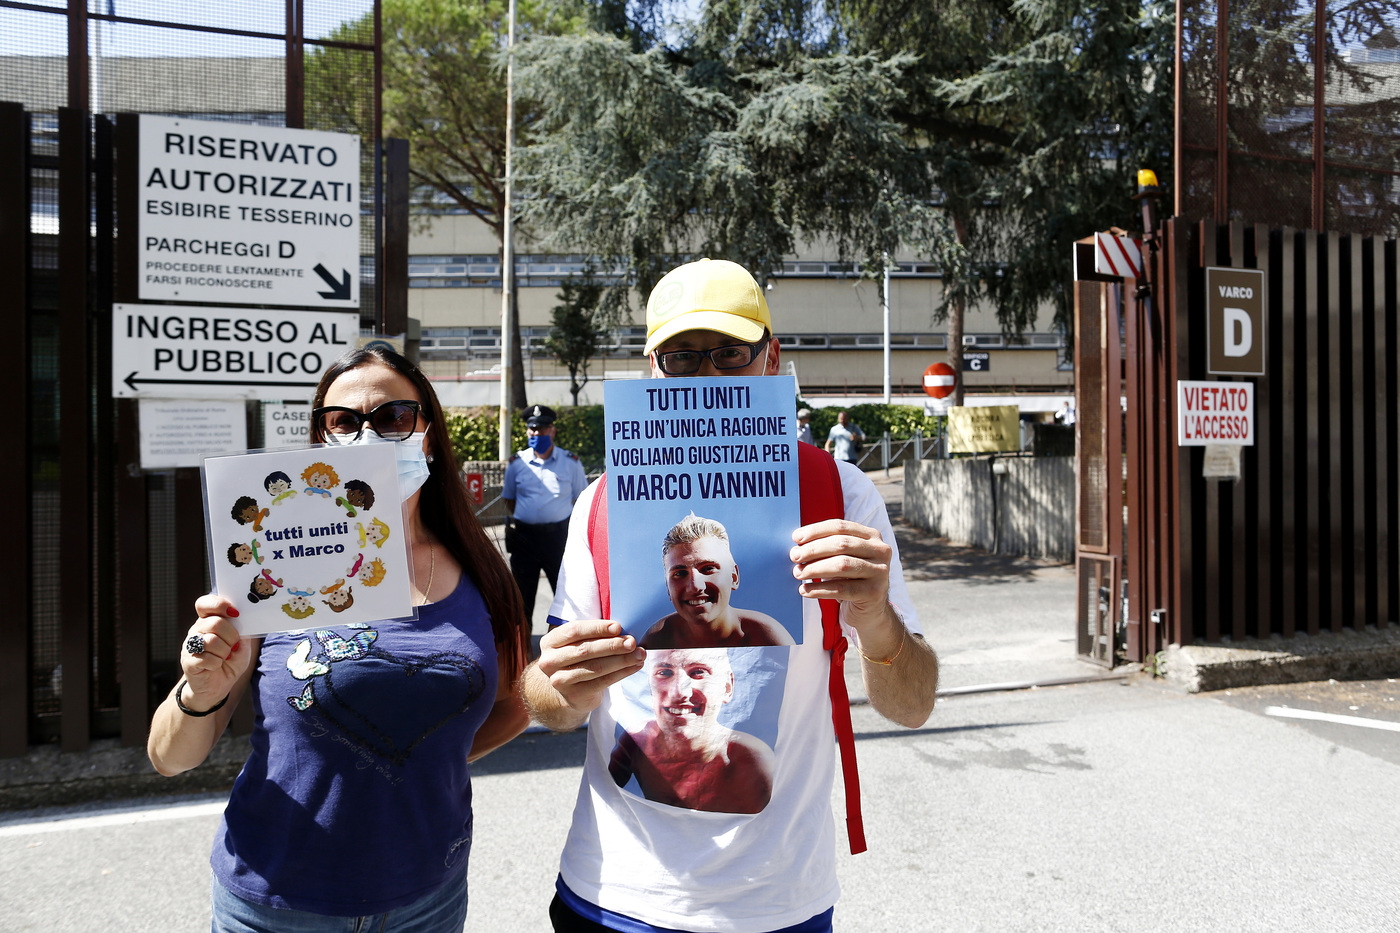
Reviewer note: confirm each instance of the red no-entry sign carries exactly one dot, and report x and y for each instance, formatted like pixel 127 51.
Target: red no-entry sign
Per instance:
pixel 940 380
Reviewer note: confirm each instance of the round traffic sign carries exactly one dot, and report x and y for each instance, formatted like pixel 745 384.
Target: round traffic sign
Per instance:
pixel 939 380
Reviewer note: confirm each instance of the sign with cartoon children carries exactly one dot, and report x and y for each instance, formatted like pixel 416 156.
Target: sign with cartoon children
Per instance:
pixel 299 537
pixel 702 485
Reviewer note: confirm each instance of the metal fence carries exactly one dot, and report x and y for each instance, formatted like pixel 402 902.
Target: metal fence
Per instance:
pixel 114 556
pixel 1288 114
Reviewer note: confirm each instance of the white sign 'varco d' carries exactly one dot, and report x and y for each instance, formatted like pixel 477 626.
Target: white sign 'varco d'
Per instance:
pixel 243 214
pixel 169 351
pixel 1214 413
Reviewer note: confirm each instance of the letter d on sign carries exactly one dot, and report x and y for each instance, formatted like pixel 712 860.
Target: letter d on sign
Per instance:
pixel 1239 332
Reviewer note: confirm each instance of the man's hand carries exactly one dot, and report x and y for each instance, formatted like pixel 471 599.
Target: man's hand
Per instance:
pixel 578 662
pixel 839 559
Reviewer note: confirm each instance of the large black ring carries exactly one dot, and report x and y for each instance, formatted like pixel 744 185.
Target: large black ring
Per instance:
pixel 195 644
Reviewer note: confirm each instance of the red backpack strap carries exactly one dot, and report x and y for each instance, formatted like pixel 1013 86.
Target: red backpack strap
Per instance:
pixel 822 499
pixel 598 544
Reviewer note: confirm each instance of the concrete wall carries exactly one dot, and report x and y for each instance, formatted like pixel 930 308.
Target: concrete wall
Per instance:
pixel 1029 510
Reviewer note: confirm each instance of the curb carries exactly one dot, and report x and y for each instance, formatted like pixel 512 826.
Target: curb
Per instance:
pixel 1346 655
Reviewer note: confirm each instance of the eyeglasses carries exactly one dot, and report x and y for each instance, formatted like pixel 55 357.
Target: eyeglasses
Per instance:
pixel 393 421
pixel 686 362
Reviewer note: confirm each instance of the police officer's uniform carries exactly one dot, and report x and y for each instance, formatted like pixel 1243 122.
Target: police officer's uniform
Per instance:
pixel 544 490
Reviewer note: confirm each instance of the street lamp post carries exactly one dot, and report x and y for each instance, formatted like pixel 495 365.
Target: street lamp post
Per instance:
pixel 507 246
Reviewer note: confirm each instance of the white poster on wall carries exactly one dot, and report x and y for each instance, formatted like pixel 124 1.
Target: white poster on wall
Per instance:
pixel 182 432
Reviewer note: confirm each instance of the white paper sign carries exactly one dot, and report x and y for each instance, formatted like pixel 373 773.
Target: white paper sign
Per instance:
pixel 307 539
pixel 242 214
pixel 286 425
pixel 181 432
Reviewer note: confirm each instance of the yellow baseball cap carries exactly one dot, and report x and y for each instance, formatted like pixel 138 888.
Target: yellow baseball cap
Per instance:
pixel 709 294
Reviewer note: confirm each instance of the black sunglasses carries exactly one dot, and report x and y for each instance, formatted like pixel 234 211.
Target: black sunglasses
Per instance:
pixel 686 362
pixel 393 421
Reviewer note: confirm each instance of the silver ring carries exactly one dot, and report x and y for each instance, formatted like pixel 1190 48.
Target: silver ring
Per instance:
pixel 195 644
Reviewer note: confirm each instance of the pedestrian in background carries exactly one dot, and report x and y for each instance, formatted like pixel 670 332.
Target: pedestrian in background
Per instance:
pixel 354 808
pixel 844 439
pixel 804 427
pixel 542 482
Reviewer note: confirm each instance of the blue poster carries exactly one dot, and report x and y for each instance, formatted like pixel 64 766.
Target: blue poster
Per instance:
pixel 702 503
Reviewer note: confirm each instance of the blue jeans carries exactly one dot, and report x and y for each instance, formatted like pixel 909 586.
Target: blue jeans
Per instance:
pixel 443 911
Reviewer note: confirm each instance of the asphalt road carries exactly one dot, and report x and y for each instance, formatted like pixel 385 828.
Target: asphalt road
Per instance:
pixel 1099 806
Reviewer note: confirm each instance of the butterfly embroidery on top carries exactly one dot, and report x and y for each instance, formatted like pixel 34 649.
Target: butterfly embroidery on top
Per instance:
pixel 345 649
pixel 304 702
pixel 300 664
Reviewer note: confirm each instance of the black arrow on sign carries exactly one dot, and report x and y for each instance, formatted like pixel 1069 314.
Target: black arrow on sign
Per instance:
pixel 131 382
pixel 340 291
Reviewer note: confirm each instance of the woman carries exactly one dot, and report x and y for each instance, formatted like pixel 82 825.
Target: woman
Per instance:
pixel 356 799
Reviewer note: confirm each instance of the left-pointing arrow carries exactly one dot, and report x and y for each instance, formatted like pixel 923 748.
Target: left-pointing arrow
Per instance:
pixel 340 290
pixel 131 382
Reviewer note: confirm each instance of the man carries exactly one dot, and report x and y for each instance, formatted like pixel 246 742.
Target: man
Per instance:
pixel 631 867
pixel 701 576
pixel 804 429
pixel 542 481
pixel 684 757
pixel 844 437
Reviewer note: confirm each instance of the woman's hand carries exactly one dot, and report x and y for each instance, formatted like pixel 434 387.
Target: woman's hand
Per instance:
pixel 211 674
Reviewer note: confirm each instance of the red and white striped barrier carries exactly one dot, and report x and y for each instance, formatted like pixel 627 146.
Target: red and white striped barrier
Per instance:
pixel 1117 255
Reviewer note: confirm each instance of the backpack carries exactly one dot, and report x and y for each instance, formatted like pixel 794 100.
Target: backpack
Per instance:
pixel 821 499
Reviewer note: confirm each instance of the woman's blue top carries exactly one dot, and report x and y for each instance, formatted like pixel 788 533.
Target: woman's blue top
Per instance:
pixel 357 796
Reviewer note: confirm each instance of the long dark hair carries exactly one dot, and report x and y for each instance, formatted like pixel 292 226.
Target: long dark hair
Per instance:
pixel 446 511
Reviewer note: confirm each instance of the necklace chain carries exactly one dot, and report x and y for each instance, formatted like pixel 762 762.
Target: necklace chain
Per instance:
pixel 432 565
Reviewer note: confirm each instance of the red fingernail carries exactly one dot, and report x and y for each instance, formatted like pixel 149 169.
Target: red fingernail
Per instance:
pixel 234 649
pixel 232 613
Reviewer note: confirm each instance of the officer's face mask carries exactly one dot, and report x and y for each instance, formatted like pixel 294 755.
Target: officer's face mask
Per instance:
pixel 540 443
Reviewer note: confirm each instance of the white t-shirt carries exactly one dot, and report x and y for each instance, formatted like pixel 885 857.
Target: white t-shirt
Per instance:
pixel 699 870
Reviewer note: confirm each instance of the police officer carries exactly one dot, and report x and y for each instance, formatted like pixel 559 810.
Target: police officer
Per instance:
pixel 542 481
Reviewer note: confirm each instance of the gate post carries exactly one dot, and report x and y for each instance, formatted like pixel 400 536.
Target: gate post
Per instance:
pixel 15 707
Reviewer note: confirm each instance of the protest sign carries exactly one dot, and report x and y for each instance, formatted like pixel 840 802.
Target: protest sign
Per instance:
pixel 308 538
pixel 705 469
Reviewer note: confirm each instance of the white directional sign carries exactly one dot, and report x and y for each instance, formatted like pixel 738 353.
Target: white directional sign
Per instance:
pixel 242 214
pixel 168 351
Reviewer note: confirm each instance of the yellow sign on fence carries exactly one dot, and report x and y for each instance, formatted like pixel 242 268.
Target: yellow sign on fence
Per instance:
pixel 984 429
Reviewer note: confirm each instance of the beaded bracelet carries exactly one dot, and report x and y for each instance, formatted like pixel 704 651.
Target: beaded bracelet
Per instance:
pixel 190 712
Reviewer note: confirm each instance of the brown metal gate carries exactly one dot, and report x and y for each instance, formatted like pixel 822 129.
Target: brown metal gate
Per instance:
pixel 1303 542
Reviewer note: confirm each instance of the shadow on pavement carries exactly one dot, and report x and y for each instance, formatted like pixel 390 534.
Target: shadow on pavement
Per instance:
pixel 535 751
pixel 928 558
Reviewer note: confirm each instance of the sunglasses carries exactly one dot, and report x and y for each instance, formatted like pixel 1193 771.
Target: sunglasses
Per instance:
pixel 393 421
pixel 686 362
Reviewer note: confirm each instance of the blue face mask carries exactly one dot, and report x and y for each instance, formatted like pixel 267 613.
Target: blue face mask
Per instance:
pixel 412 462
pixel 540 443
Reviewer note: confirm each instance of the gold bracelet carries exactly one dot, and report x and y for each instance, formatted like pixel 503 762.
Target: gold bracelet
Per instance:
pixel 904 635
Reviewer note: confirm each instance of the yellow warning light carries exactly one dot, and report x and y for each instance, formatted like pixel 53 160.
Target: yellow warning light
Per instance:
pixel 1147 184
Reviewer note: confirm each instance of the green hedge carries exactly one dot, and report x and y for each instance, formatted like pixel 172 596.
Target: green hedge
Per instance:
pixel 474 430
pixel 875 419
